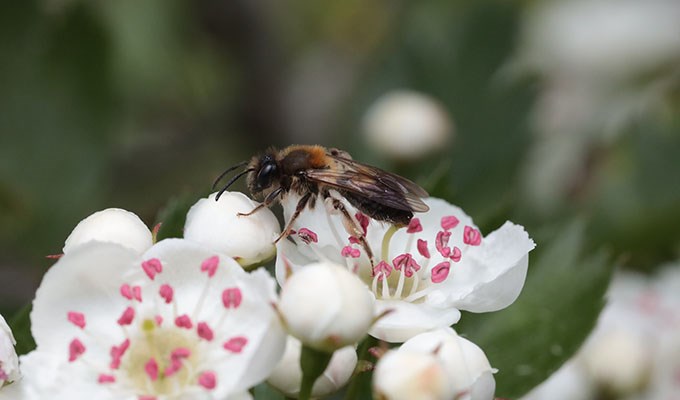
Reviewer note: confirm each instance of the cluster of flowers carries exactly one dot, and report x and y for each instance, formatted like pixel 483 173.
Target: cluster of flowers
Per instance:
pixel 634 351
pixel 121 316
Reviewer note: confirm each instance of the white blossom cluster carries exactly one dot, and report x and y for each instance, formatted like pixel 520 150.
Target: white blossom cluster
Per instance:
pixel 123 316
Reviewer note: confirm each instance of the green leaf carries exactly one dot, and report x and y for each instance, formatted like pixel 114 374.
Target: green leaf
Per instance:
pixel 266 392
pixel 559 306
pixel 20 324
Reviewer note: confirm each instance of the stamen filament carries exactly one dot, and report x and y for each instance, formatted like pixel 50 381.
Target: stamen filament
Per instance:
pixel 385 248
pixel 385 289
pixel 400 285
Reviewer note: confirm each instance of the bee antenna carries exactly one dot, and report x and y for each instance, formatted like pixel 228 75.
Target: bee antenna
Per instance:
pixel 219 178
pixel 231 181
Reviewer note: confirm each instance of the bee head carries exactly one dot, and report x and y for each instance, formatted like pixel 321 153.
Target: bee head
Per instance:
pixel 264 173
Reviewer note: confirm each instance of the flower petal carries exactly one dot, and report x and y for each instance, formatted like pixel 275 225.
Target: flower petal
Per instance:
pixel 406 320
pixel 113 225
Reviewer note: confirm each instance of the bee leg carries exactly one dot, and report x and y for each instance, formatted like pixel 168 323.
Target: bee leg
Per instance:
pixel 353 228
pixel 266 203
pixel 298 209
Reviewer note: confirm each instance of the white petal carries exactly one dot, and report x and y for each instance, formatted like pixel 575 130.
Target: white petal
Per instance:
pixel 111 225
pixel 407 320
pixel 8 356
pixel 215 224
pixel 491 276
pixel 570 382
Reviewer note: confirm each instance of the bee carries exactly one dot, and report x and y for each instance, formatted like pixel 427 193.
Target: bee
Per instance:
pixel 312 171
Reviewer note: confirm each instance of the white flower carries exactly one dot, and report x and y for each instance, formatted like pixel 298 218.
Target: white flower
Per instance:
pixel 287 375
pixel 405 124
pixel 217 225
pixel 466 365
pixel 112 225
pixel 9 364
pixel 425 273
pixel 177 322
pixel 570 382
pixel 326 306
pixel 411 375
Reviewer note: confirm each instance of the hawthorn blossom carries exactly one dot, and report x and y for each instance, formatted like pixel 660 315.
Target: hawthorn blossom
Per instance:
pixel 411 375
pixel 424 274
pixel 407 125
pixel 217 225
pixel 178 322
pixel 326 307
pixel 287 375
pixel 112 225
pixel 9 364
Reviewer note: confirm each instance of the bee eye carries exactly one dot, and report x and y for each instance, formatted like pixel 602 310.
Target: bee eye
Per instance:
pixel 266 175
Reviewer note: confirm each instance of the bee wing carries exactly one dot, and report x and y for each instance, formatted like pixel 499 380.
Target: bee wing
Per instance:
pixel 373 183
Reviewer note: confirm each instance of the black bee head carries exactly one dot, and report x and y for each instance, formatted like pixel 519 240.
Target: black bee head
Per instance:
pixel 264 174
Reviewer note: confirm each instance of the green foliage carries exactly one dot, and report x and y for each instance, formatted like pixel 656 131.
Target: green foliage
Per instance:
pixel 20 324
pixel 558 307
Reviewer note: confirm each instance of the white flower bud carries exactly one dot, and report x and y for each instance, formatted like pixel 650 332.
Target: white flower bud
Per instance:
pixel 411 375
pixel 466 365
pixel 287 374
pixel 407 125
pixel 326 306
pixel 618 360
pixel 216 225
pixel 111 225
pixel 9 363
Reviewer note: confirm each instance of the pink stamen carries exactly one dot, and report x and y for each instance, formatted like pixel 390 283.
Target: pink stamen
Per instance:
pixel 151 369
pixel 363 221
pixel 183 321
pixel 472 236
pixel 167 293
pixel 441 242
pixel 126 291
pixel 235 344
pixel 204 331
pixel 414 226
pixel 77 319
pixel 232 297
pixel 143 397
pixel 382 270
pixel 137 293
pixel 210 265
pixel 349 251
pixel 152 267
pixel 180 353
pixel 307 236
pixel 449 222
pixel 173 368
pixel 158 319
pixel 53 257
pixel 354 240
pixel 407 263
pixel 440 271
pixel 456 255
pixel 75 349
pixel 127 316
pixel 104 378
pixel 208 380
pixel 422 248
pixel 117 352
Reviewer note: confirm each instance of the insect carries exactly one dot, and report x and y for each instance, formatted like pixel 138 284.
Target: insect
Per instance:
pixel 311 171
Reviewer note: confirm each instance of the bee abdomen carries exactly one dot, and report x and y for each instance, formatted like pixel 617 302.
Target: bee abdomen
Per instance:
pixel 379 211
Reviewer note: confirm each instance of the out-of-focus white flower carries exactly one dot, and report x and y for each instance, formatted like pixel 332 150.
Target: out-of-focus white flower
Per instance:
pixel 425 273
pixel 634 351
pixel 177 322
pixel 407 125
pixel 411 375
pixel 466 365
pixel 326 306
pixel 217 225
pixel 602 64
pixel 287 374
pixel 9 363
pixel 112 225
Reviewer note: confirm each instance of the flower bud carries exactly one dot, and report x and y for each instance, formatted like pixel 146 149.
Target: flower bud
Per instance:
pixel 111 225
pixel 407 125
pixel 411 375
pixel 287 374
pixel 326 306
pixel 466 365
pixel 247 238
pixel 9 363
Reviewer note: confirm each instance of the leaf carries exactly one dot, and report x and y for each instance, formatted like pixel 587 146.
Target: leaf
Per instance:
pixel 266 392
pixel 559 306
pixel 20 323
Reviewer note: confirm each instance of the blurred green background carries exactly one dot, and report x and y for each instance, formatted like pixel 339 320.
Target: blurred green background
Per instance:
pixel 141 104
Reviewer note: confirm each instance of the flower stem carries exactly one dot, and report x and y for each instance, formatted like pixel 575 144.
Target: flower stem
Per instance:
pixel 313 363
